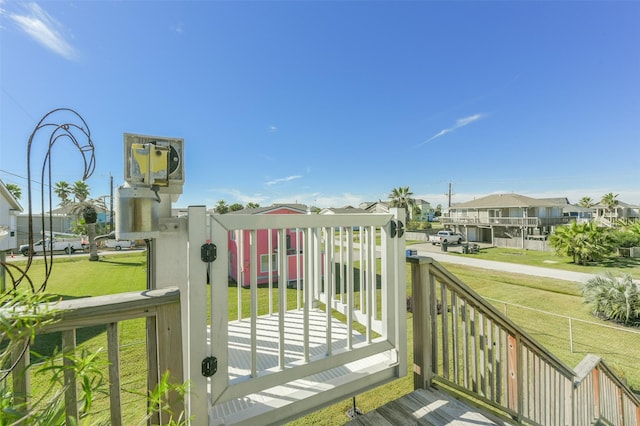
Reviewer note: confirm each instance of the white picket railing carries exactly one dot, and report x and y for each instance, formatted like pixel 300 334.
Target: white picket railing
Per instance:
pixel 335 329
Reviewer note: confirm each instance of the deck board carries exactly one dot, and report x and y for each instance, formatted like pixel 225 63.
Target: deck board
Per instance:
pixel 431 407
pixel 242 410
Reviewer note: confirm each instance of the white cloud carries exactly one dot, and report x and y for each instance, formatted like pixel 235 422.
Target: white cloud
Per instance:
pixel 44 29
pixel 241 197
pixel 280 180
pixel 272 128
pixel 178 28
pixel 318 199
pixel 461 122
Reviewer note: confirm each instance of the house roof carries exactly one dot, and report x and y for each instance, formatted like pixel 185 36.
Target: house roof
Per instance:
pixel 508 200
pixel 9 197
pixel 297 208
pixel 342 210
pixel 621 204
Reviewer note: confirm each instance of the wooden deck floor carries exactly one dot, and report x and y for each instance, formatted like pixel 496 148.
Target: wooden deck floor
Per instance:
pixel 254 408
pixel 426 407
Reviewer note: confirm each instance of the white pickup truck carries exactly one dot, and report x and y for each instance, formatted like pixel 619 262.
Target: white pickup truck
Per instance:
pixel 67 246
pixel 448 237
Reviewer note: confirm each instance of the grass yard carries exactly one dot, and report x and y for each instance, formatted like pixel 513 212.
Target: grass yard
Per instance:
pixel 615 264
pixel 77 277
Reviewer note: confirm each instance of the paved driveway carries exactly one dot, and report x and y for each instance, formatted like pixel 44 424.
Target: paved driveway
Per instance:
pixel 436 253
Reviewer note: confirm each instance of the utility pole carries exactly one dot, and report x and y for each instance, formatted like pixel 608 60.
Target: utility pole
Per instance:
pixel 449 194
pixel 111 205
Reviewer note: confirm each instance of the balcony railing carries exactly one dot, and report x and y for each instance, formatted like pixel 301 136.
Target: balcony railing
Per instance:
pixel 463 341
pixel 162 310
pixel 530 222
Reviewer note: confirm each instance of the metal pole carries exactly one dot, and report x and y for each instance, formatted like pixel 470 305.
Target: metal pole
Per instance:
pixel 571 334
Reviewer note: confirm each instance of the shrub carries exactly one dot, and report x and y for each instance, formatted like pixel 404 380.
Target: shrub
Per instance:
pixel 613 298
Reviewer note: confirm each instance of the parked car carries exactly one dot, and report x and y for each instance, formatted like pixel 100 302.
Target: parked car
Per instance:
pixel 67 246
pixel 109 240
pixel 448 237
pixel 119 244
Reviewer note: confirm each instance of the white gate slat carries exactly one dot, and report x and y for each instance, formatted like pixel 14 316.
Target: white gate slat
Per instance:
pixel 270 269
pixel 283 280
pixel 350 288
pixel 253 292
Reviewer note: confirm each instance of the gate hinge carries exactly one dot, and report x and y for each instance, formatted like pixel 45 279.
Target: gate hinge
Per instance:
pixel 397 229
pixel 209 366
pixel 208 252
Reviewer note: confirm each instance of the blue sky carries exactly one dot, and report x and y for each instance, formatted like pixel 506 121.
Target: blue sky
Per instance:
pixel 332 103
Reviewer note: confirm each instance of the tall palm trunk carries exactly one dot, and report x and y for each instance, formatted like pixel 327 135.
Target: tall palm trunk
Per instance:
pixel 90 218
pixel 93 247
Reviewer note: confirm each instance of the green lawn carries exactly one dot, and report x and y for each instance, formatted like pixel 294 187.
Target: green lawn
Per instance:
pixel 77 277
pixel 614 264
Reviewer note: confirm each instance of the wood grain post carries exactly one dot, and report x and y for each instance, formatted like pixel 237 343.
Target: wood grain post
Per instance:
pixel 71 392
pixel 170 353
pixel 21 376
pixel 422 332
pixel 114 373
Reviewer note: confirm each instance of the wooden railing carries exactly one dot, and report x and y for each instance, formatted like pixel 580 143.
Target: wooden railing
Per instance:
pixel 461 340
pixel 162 310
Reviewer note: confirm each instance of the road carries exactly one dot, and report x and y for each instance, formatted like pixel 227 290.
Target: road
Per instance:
pixel 435 252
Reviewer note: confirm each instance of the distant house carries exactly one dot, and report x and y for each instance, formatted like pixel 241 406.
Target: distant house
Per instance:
pixel 426 211
pixel 59 220
pixel 376 206
pixel 268 247
pixel 10 208
pixel 343 210
pixel 622 212
pixel 506 216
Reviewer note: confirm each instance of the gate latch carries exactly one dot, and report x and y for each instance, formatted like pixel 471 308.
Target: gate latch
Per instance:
pixel 209 366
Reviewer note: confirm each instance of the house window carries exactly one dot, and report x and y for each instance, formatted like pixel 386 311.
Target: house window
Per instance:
pixel 264 262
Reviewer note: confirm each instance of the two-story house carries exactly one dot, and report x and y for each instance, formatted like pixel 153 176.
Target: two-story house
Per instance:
pixel 506 216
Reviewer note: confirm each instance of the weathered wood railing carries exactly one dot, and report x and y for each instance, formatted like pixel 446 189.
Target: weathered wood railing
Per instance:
pixel 162 310
pixel 463 341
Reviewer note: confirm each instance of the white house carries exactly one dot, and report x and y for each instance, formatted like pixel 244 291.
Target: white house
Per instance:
pixel 10 208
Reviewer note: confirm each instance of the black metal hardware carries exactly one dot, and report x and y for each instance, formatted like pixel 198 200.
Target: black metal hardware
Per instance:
pixel 209 366
pixel 397 229
pixel 208 252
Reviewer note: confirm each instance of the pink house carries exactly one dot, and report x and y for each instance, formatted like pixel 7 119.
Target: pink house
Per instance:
pixel 267 250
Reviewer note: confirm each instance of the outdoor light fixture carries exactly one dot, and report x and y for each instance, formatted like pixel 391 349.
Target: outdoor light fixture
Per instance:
pixel 152 166
pixel 154 161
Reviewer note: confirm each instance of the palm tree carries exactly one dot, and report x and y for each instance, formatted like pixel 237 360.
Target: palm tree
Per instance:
pixel 402 197
pixel 221 207
pixel 63 190
pixel 610 201
pixel 14 190
pixel 235 207
pixel 252 205
pixel 613 298
pixel 80 191
pixel 87 208
pixel 587 202
pixel 583 242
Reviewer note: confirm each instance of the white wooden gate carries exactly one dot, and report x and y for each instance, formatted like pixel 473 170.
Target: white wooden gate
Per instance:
pixel 336 328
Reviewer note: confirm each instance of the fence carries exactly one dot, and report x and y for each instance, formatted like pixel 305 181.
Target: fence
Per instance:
pixel 580 336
